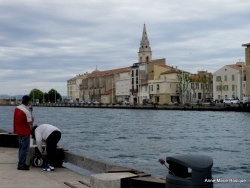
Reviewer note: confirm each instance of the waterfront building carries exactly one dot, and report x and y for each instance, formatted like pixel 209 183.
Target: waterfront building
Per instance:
pixel 247 70
pixel 163 88
pixel 101 85
pixel 123 86
pixel 229 82
pixel 201 87
pixel 169 86
pixel 149 79
pixel 141 74
pixel 73 91
pixel 145 74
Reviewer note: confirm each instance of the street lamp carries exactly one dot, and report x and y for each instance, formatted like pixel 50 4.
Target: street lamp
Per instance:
pixel 221 87
pixel 33 95
pixel 55 96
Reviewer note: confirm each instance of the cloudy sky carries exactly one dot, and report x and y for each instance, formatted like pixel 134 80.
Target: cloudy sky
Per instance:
pixel 45 43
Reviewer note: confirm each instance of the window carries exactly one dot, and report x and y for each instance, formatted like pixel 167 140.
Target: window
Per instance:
pixel 232 77
pixel 192 85
pixel 152 89
pixel 197 85
pixel 136 72
pixel 165 78
pixel 233 87
pixel 218 88
pixel 199 95
pixel 218 78
pixel 157 99
pixel 158 87
pixel 225 87
pixel 225 78
pixel 206 86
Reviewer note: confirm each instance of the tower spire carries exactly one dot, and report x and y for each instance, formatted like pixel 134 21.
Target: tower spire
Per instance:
pixel 145 53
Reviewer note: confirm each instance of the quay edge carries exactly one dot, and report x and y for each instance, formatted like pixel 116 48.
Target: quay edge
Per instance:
pixel 103 172
pixel 189 106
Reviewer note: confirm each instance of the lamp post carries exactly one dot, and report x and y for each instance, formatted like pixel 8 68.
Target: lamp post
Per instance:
pixel 221 87
pixel 112 90
pixel 139 86
pixel 55 96
pixel 33 96
pixel 236 93
pixel 242 80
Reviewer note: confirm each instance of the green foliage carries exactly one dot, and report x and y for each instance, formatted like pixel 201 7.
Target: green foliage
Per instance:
pixel 184 80
pixel 52 96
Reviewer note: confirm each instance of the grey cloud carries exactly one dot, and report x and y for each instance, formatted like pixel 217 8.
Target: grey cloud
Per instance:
pixel 46 42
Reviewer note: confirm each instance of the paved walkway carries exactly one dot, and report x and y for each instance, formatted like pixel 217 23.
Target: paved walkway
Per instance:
pixel 10 177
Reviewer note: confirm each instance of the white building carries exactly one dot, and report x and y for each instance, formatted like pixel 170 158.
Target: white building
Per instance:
pixel 73 92
pixel 123 86
pixel 228 82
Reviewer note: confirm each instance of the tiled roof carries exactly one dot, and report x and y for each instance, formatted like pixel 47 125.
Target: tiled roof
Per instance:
pixel 108 72
pixel 237 67
pixel 172 70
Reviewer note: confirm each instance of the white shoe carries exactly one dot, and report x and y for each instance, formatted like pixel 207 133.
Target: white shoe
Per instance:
pixel 48 168
pixel 51 168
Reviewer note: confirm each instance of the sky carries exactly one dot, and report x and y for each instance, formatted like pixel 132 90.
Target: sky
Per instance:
pixel 45 43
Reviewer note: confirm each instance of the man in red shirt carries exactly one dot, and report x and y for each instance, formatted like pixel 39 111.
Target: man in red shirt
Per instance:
pixel 23 120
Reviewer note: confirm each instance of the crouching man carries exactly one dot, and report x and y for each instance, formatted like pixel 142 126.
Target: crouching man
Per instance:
pixel 50 135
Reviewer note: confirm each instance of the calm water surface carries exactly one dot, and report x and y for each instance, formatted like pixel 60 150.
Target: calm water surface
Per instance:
pixel 138 138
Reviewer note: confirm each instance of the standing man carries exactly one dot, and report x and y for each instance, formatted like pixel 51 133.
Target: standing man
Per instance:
pixel 23 120
pixel 50 135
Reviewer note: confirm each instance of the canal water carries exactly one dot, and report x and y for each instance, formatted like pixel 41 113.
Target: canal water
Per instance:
pixel 139 138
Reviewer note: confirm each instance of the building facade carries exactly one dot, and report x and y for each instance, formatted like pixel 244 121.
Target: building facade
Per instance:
pixel 228 82
pixel 201 87
pixel 101 85
pixel 147 79
pixel 247 70
pixel 73 87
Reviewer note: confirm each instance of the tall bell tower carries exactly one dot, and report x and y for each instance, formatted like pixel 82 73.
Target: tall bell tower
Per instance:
pixel 145 53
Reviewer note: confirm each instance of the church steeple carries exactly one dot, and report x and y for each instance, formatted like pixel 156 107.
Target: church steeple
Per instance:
pixel 145 53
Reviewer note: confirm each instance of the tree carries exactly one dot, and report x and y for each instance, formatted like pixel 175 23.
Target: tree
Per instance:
pixel 205 79
pixel 36 95
pixel 53 96
pixel 184 78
